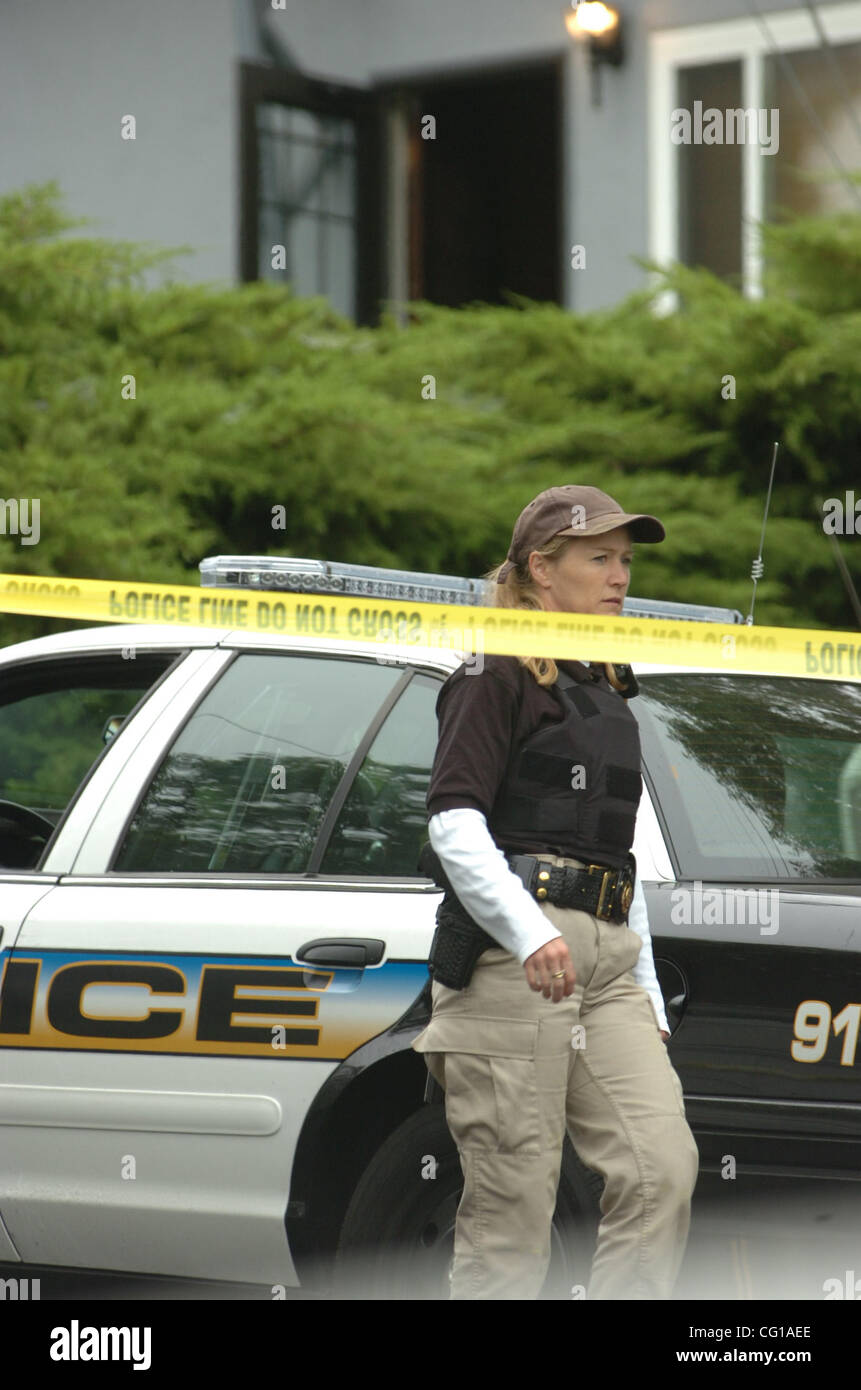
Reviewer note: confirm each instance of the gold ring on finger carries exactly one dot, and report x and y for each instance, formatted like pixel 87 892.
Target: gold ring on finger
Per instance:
pixel 558 975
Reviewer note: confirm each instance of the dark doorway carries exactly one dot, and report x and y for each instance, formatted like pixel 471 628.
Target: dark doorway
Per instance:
pixel 486 194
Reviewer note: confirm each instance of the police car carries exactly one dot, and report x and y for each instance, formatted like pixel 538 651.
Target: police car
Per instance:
pixel 213 942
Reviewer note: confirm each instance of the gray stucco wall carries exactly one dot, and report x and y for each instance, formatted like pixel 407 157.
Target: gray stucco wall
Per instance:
pixel 70 70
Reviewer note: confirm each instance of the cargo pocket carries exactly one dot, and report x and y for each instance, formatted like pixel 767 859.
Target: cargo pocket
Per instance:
pixel 491 1093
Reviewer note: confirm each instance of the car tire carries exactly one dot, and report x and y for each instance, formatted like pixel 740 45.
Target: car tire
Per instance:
pixel 397 1238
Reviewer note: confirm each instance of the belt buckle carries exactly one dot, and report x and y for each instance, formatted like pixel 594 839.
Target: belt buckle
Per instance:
pixel 607 873
pixel 626 896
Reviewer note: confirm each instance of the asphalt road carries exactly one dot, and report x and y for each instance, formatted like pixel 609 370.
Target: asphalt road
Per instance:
pixel 751 1239
pixel 772 1238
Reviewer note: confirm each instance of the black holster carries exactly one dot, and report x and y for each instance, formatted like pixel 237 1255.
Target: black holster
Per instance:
pixel 458 940
pixel 457 944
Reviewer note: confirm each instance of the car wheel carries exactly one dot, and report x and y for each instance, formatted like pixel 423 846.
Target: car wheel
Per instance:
pixel 397 1239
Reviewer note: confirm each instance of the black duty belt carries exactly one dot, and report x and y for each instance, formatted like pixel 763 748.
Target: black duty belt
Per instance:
pixel 603 892
pixel 459 941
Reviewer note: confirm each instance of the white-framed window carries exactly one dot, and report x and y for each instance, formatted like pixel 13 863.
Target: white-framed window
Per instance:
pixel 711 182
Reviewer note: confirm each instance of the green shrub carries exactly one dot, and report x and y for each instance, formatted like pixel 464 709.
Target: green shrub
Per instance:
pixel 248 398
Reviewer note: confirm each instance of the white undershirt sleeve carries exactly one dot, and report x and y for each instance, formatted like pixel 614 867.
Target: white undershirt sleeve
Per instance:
pixel 491 893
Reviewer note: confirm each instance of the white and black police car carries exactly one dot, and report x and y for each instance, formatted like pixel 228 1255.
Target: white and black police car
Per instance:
pixel 214 935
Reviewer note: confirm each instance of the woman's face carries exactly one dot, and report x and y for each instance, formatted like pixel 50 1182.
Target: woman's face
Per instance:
pixel 591 574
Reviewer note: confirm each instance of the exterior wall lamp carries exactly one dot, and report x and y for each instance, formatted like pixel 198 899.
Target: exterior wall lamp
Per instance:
pixel 600 26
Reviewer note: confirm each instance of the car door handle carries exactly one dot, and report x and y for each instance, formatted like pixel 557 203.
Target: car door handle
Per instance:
pixel 355 951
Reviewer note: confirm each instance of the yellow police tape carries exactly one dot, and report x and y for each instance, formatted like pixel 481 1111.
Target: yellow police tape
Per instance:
pixel 459 628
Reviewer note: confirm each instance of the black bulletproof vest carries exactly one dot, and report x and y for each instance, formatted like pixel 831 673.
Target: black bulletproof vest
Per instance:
pixel 596 747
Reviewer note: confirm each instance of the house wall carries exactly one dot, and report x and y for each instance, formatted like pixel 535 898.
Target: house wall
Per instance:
pixel 70 71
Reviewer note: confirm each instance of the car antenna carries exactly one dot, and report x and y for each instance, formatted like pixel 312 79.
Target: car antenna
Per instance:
pixel 758 567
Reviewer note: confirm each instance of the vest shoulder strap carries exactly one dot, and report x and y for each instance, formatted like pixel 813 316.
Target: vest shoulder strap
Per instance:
pixel 625 682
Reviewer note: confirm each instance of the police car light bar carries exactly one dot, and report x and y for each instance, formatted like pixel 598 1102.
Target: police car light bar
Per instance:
pixel 329 577
pixel 371 581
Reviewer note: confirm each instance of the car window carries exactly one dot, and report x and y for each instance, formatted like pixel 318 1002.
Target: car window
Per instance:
pixel 755 776
pixel 56 718
pixel 246 784
pixel 383 822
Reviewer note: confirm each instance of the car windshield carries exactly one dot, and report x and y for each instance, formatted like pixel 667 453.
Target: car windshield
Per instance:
pixel 756 776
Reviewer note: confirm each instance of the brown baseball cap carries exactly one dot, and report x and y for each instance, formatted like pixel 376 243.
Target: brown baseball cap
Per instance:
pixel 572 510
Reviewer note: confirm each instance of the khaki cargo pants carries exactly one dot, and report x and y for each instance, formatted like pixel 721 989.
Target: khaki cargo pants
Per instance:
pixel 517 1070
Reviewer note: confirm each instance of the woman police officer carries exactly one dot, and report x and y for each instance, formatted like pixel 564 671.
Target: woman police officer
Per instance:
pixel 537 772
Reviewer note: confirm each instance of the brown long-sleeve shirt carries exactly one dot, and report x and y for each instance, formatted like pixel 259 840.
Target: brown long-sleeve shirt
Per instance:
pixel 483 717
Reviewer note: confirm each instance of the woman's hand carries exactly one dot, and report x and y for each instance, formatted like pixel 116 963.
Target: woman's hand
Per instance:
pixel 546 962
pixel 665 1035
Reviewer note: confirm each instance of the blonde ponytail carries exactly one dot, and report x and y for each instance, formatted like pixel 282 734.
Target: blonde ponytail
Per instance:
pixel 518 590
